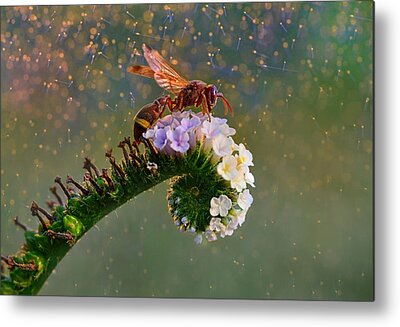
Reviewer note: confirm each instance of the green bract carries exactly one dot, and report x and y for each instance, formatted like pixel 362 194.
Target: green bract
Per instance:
pixel 73 225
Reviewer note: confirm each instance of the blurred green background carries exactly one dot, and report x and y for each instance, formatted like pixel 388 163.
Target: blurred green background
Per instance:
pixel 300 79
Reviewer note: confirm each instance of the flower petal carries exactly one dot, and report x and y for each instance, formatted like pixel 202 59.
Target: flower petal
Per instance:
pixel 214 209
pixel 245 199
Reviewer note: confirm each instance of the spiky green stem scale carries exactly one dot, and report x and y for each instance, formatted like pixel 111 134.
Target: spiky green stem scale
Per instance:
pixel 194 181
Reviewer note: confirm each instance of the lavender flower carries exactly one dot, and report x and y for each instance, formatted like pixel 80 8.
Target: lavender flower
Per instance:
pixel 160 138
pixel 190 123
pixel 179 139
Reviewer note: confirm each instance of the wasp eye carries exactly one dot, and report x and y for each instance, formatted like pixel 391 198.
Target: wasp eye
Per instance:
pixel 213 95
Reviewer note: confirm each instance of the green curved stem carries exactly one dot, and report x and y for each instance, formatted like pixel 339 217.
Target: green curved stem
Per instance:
pixel 43 250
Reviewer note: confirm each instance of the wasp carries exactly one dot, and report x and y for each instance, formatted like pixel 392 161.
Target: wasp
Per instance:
pixel 187 93
pixel 148 115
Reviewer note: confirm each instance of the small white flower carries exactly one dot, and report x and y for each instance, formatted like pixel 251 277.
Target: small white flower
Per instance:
pixel 210 235
pixel 249 178
pixel 210 129
pixel 228 168
pixel 244 157
pixel 149 133
pixel 244 176
pixel 233 222
pixel 220 206
pixel 219 121
pixel 152 166
pixel 241 217
pixel 226 130
pixel 222 145
pixel 228 230
pixel 237 217
pixel 245 199
pixel 216 224
pixel 238 183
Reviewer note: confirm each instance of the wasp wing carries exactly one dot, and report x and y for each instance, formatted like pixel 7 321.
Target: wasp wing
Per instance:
pixel 165 76
pixel 145 71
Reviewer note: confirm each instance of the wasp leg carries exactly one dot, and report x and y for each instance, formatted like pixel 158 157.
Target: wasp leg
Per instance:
pixel 178 104
pixel 205 106
pixel 170 104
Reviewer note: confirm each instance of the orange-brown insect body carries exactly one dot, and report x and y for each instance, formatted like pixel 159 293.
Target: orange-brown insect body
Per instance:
pixel 197 93
pixel 194 93
pixel 148 115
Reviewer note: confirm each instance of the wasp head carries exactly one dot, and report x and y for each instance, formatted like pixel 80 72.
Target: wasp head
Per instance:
pixel 211 95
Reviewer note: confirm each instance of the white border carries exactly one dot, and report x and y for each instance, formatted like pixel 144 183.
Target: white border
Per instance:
pixel 64 311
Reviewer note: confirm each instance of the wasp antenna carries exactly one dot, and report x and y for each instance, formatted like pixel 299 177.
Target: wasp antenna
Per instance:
pixel 226 104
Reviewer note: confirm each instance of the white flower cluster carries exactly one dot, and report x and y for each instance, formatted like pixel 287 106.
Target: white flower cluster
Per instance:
pixel 179 133
pixel 226 216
